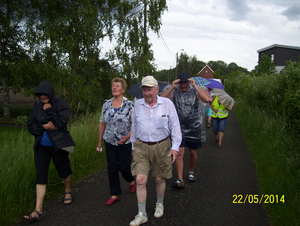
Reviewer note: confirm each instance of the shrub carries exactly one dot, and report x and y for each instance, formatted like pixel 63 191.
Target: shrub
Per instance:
pixel 22 119
pixel 290 105
pixel 277 94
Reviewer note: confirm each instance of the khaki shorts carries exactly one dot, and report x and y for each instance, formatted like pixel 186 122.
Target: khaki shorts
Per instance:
pixel 152 158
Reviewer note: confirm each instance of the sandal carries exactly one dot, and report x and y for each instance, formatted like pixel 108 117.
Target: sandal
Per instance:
pixel 191 177
pixel 68 199
pixel 31 218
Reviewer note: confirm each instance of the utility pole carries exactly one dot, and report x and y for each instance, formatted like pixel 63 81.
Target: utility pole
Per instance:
pixel 169 74
pixel 176 71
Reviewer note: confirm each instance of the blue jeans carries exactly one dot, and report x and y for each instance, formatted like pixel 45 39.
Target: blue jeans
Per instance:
pixel 219 125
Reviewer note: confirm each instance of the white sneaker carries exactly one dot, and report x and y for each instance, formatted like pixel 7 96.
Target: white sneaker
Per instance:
pixel 139 219
pixel 159 210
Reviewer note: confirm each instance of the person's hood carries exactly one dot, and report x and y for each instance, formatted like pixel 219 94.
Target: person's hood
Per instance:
pixel 47 88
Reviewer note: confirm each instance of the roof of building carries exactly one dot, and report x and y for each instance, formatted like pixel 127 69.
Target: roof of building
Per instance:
pixel 278 45
pixel 205 67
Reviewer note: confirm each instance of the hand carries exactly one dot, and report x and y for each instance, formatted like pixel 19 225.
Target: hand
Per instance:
pixel 99 148
pixel 192 82
pixel 174 153
pixel 48 105
pixel 49 126
pixel 122 140
pixel 175 83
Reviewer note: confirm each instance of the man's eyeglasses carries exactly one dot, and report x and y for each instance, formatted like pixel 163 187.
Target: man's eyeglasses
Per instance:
pixel 42 94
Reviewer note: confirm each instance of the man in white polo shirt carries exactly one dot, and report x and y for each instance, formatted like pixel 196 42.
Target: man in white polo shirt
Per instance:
pixel 154 121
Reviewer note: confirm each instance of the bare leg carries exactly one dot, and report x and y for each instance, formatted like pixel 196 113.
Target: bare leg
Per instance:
pixel 193 159
pixel 179 162
pixel 141 191
pixel 67 188
pixel 160 186
pixel 208 121
pixel 216 137
pixel 221 135
pixel 40 194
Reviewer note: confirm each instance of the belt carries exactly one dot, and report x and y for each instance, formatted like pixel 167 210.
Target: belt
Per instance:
pixel 152 143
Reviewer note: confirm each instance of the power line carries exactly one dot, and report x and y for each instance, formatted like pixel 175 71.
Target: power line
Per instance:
pixel 165 44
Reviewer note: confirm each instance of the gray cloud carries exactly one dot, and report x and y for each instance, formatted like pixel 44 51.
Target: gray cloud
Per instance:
pixel 238 10
pixel 293 12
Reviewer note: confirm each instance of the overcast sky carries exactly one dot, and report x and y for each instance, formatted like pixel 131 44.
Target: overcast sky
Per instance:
pixel 227 30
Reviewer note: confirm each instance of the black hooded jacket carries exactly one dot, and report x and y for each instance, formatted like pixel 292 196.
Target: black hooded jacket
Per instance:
pixel 59 114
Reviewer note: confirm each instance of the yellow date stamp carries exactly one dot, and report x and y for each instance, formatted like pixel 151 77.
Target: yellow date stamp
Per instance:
pixel 264 198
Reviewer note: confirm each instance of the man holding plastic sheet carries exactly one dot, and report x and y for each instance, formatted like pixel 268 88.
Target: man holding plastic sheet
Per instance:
pixel 185 95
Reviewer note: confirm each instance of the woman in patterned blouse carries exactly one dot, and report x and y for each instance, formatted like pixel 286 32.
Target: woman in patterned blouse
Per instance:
pixel 114 129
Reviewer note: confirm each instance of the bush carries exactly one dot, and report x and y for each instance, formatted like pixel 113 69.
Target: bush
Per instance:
pixel 290 105
pixel 277 94
pixel 22 119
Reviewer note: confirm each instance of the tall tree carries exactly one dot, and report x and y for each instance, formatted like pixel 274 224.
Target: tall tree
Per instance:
pixel 265 65
pixel 133 49
pixel 189 64
pixel 66 37
pixel 219 67
pixel 12 15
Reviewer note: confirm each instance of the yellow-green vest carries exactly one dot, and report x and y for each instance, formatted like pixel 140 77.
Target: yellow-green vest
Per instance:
pixel 222 110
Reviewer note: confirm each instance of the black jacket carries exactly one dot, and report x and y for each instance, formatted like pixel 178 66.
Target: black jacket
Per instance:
pixel 59 114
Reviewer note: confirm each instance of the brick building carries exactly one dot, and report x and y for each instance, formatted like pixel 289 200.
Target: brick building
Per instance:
pixel 206 72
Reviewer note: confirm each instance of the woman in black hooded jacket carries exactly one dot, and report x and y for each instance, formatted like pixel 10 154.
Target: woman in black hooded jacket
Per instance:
pixel 48 123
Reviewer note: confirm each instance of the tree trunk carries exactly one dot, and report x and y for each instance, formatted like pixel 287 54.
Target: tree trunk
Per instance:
pixel 6 109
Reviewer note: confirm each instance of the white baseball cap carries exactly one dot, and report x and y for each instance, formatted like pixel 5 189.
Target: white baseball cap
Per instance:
pixel 149 81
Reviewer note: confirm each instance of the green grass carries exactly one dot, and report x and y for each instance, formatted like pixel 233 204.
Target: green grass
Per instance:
pixel 9 129
pixel 17 172
pixel 275 151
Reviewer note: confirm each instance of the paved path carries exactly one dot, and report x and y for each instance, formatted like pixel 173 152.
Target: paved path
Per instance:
pixel 220 174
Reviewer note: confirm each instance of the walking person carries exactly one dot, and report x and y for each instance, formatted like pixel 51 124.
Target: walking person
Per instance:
pixel 154 122
pixel 114 129
pixel 48 123
pixel 208 110
pixel 208 114
pixel 219 120
pixel 185 95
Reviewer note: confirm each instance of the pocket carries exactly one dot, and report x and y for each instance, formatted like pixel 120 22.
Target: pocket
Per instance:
pixel 161 122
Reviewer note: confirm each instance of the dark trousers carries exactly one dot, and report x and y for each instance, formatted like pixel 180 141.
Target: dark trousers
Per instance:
pixel 118 159
pixel 43 156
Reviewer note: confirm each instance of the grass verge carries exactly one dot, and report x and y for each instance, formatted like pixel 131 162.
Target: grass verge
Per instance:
pixel 275 151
